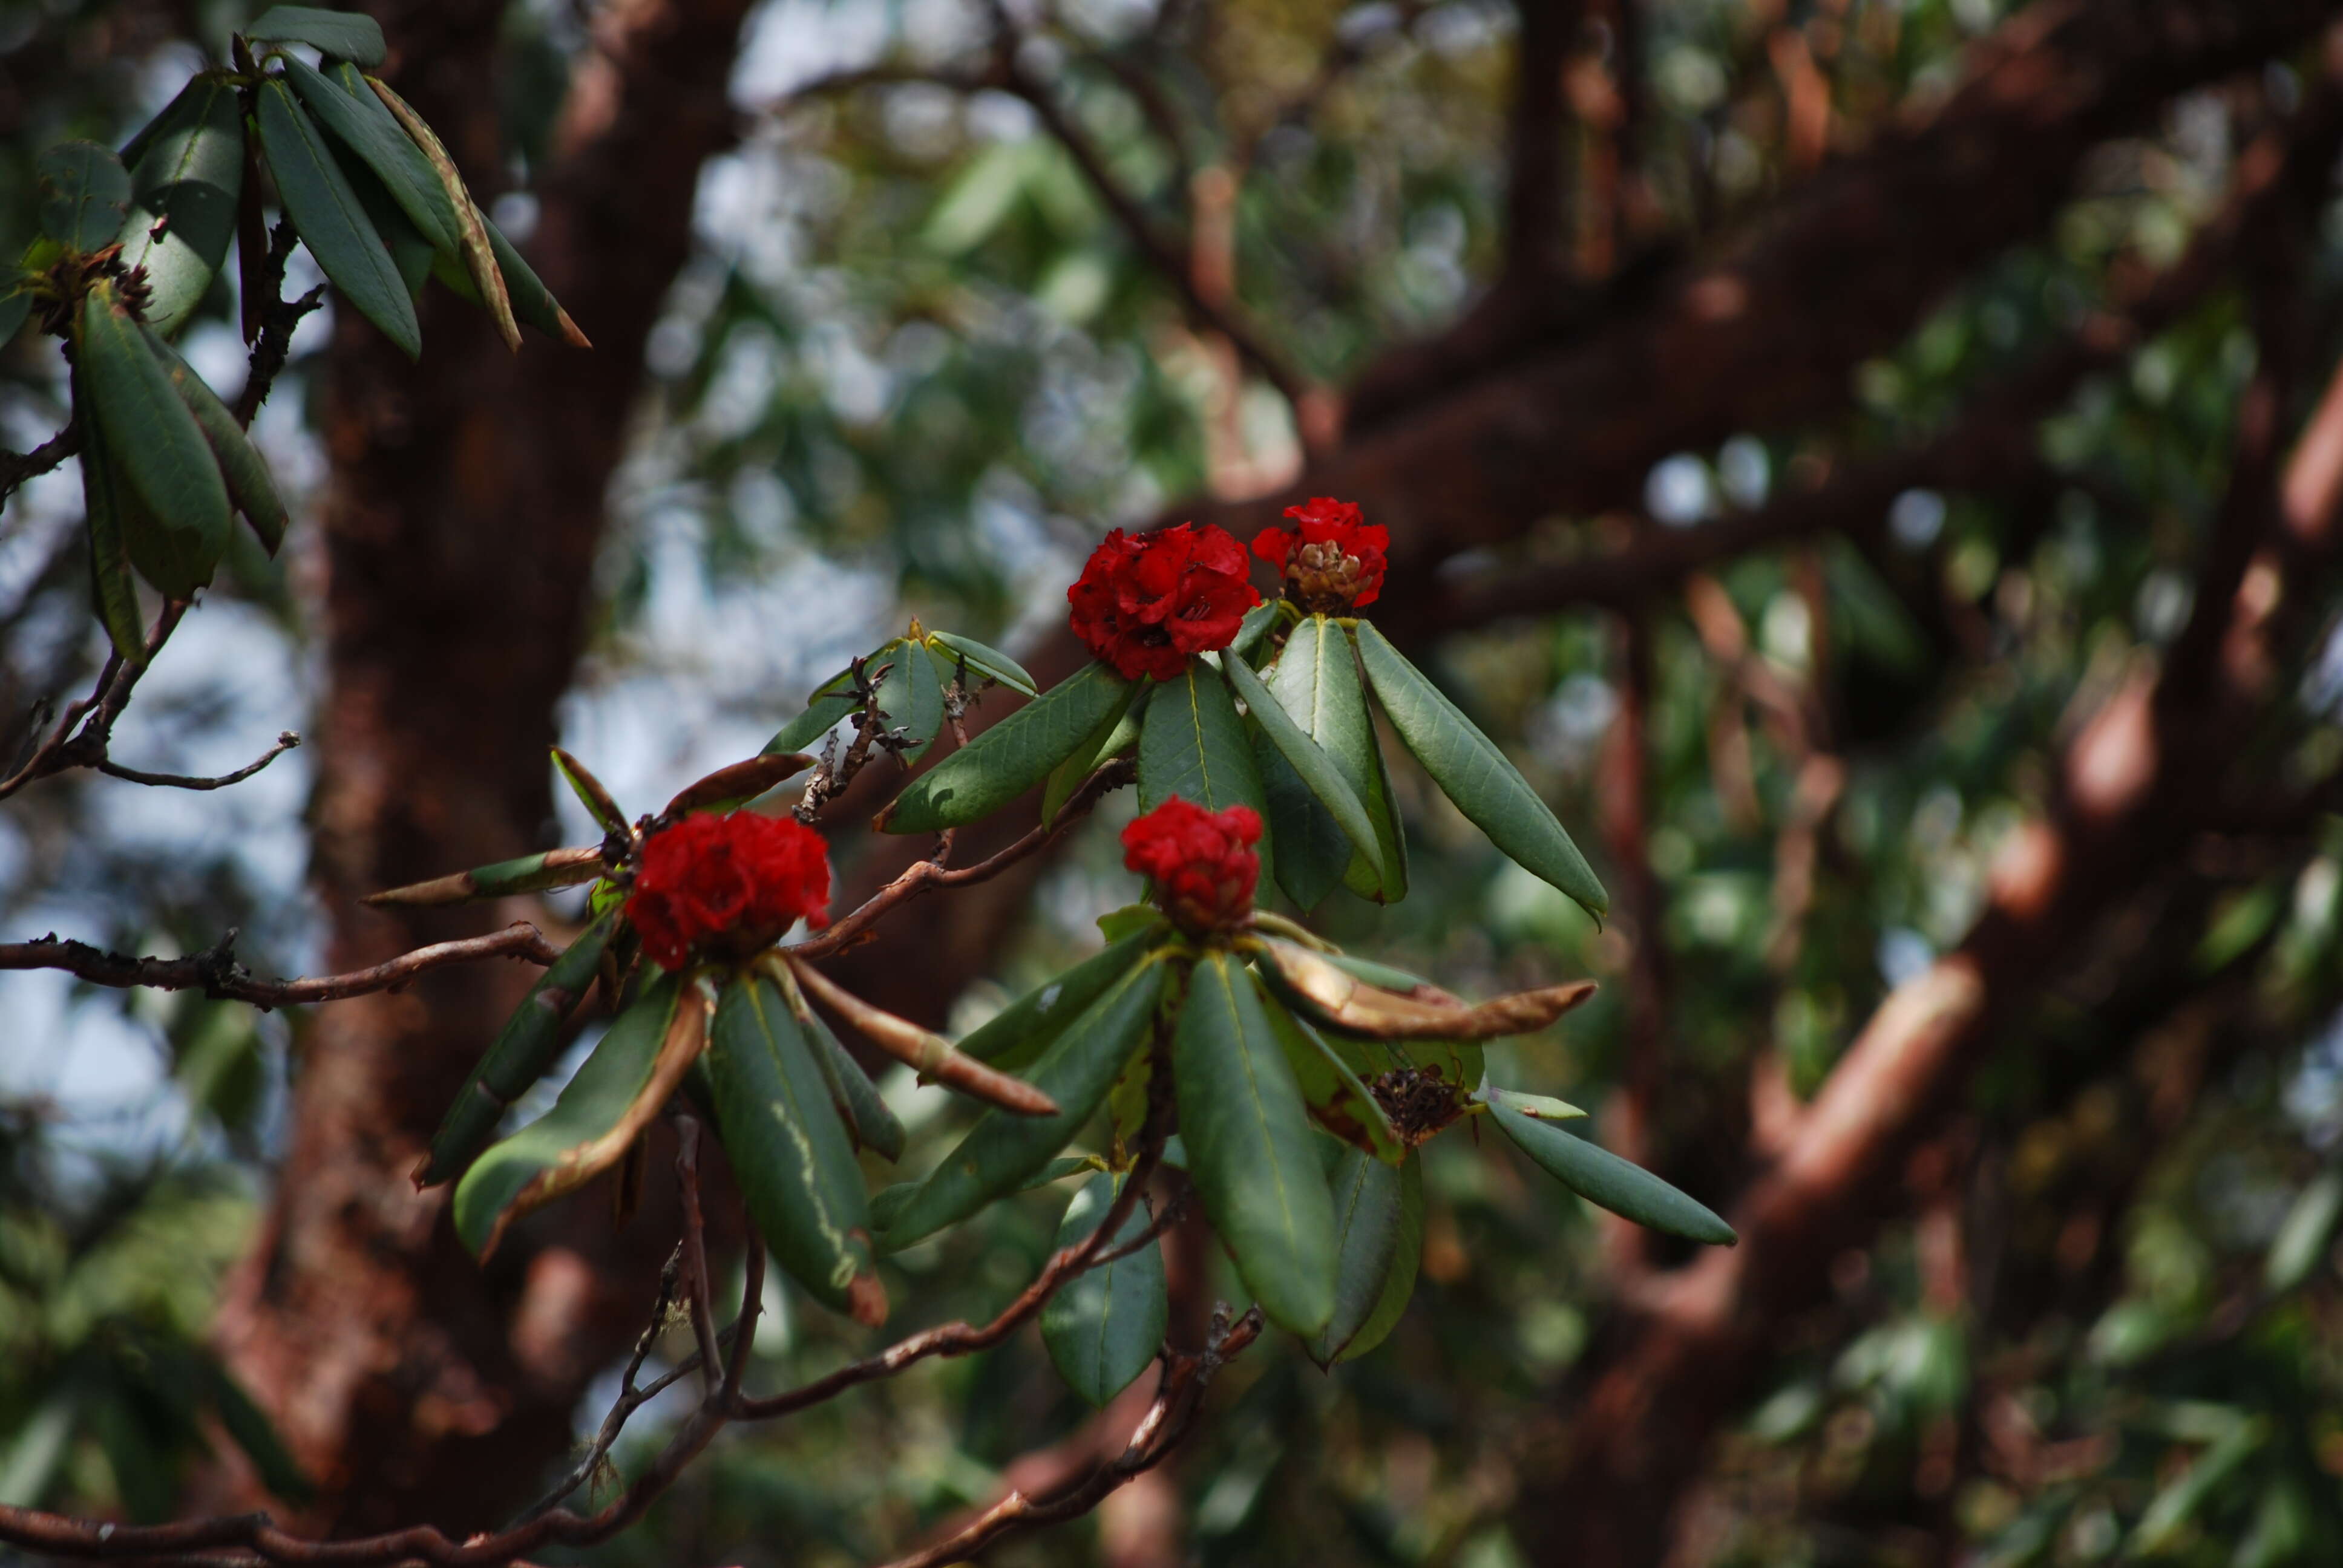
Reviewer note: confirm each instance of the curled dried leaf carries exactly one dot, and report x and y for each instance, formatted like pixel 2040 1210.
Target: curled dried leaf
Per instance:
pixel 529 874
pixel 687 1036
pixel 928 1054
pixel 1341 1001
pixel 737 783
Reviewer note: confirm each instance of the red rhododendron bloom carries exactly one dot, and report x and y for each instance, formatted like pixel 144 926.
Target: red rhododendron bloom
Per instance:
pixel 1331 560
pixel 1147 601
pixel 728 886
pixel 1204 862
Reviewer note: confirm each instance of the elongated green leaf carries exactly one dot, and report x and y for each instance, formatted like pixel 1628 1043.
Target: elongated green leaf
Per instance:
pixel 1254 628
pixel 504 878
pixel 1308 760
pixel 179 525
pixel 532 303
pixel 2301 1239
pixel 84 194
pixel 1378 1246
pixel 185 185
pixel 1002 1152
pixel 347 108
pixel 1018 1034
pixel 13 307
pixel 820 716
pixel 1249 1147
pixel 331 219
pixel 912 697
pixel 409 252
pixel 1539 1107
pixel 1193 745
pixel 983 663
pixel 347 35
pixel 472 273
pixel 1009 759
pixel 1117 733
pixel 590 792
pixel 1476 775
pixel 251 1429
pixel 782 1134
pixel 112 593
pixel 1316 681
pixel 614 1094
pixel 1337 1100
pixel 1607 1182
pixel 866 1119
pixel 521 1053
pixel 1313 850
pixel 249 484
pixel 1103 1328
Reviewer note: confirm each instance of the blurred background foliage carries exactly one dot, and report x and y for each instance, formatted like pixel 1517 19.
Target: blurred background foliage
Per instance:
pixel 915 365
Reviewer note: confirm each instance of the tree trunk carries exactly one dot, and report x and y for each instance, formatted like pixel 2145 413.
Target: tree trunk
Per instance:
pixel 459 530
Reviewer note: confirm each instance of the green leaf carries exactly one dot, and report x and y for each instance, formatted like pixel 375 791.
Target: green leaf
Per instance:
pixel 782 1135
pixel 1607 1182
pixel 532 303
pixel 522 1052
pixel 1540 1107
pixel 1103 1328
pixel 1309 761
pixel 478 278
pixel 503 879
pixel 868 1120
pixel 13 307
pixel 1316 681
pixel 331 219
pixel 987 663
pixel 84 194
pixel 1193 745
pixel 1117 733
pixel 348 108
pixel 410 253
pixel 248 1426
pixel 249 484
pixel 179 525
pixel 1313 850
pixel 1476 775
pixel 1002 1152
pixel 912 697
pixel 1009 759
pixel 2171 1508
pixel 112 594
pixel 185 185
pixel 820 716
pixel 613 1095
pixel 1018 1034
pixel 1337 1100
pixel 1254 628
pixel 1249 1150
pixel 346 34
pixel 1378 1246
pixel 2301 1240
pixel 590 792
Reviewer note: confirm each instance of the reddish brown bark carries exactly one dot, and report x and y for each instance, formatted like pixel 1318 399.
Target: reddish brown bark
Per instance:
pixel 459 530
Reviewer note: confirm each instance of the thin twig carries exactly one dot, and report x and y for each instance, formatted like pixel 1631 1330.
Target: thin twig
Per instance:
pixel 698 1289
pixel 285 741
pixel 215 973
pixel 16 467
pixel 1178 1397
pixel 929 875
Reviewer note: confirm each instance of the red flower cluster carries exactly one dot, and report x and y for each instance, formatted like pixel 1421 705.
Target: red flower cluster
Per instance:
pixel 728 886
pixel 1204 862
pixel 1147 601
pixel 1331 562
